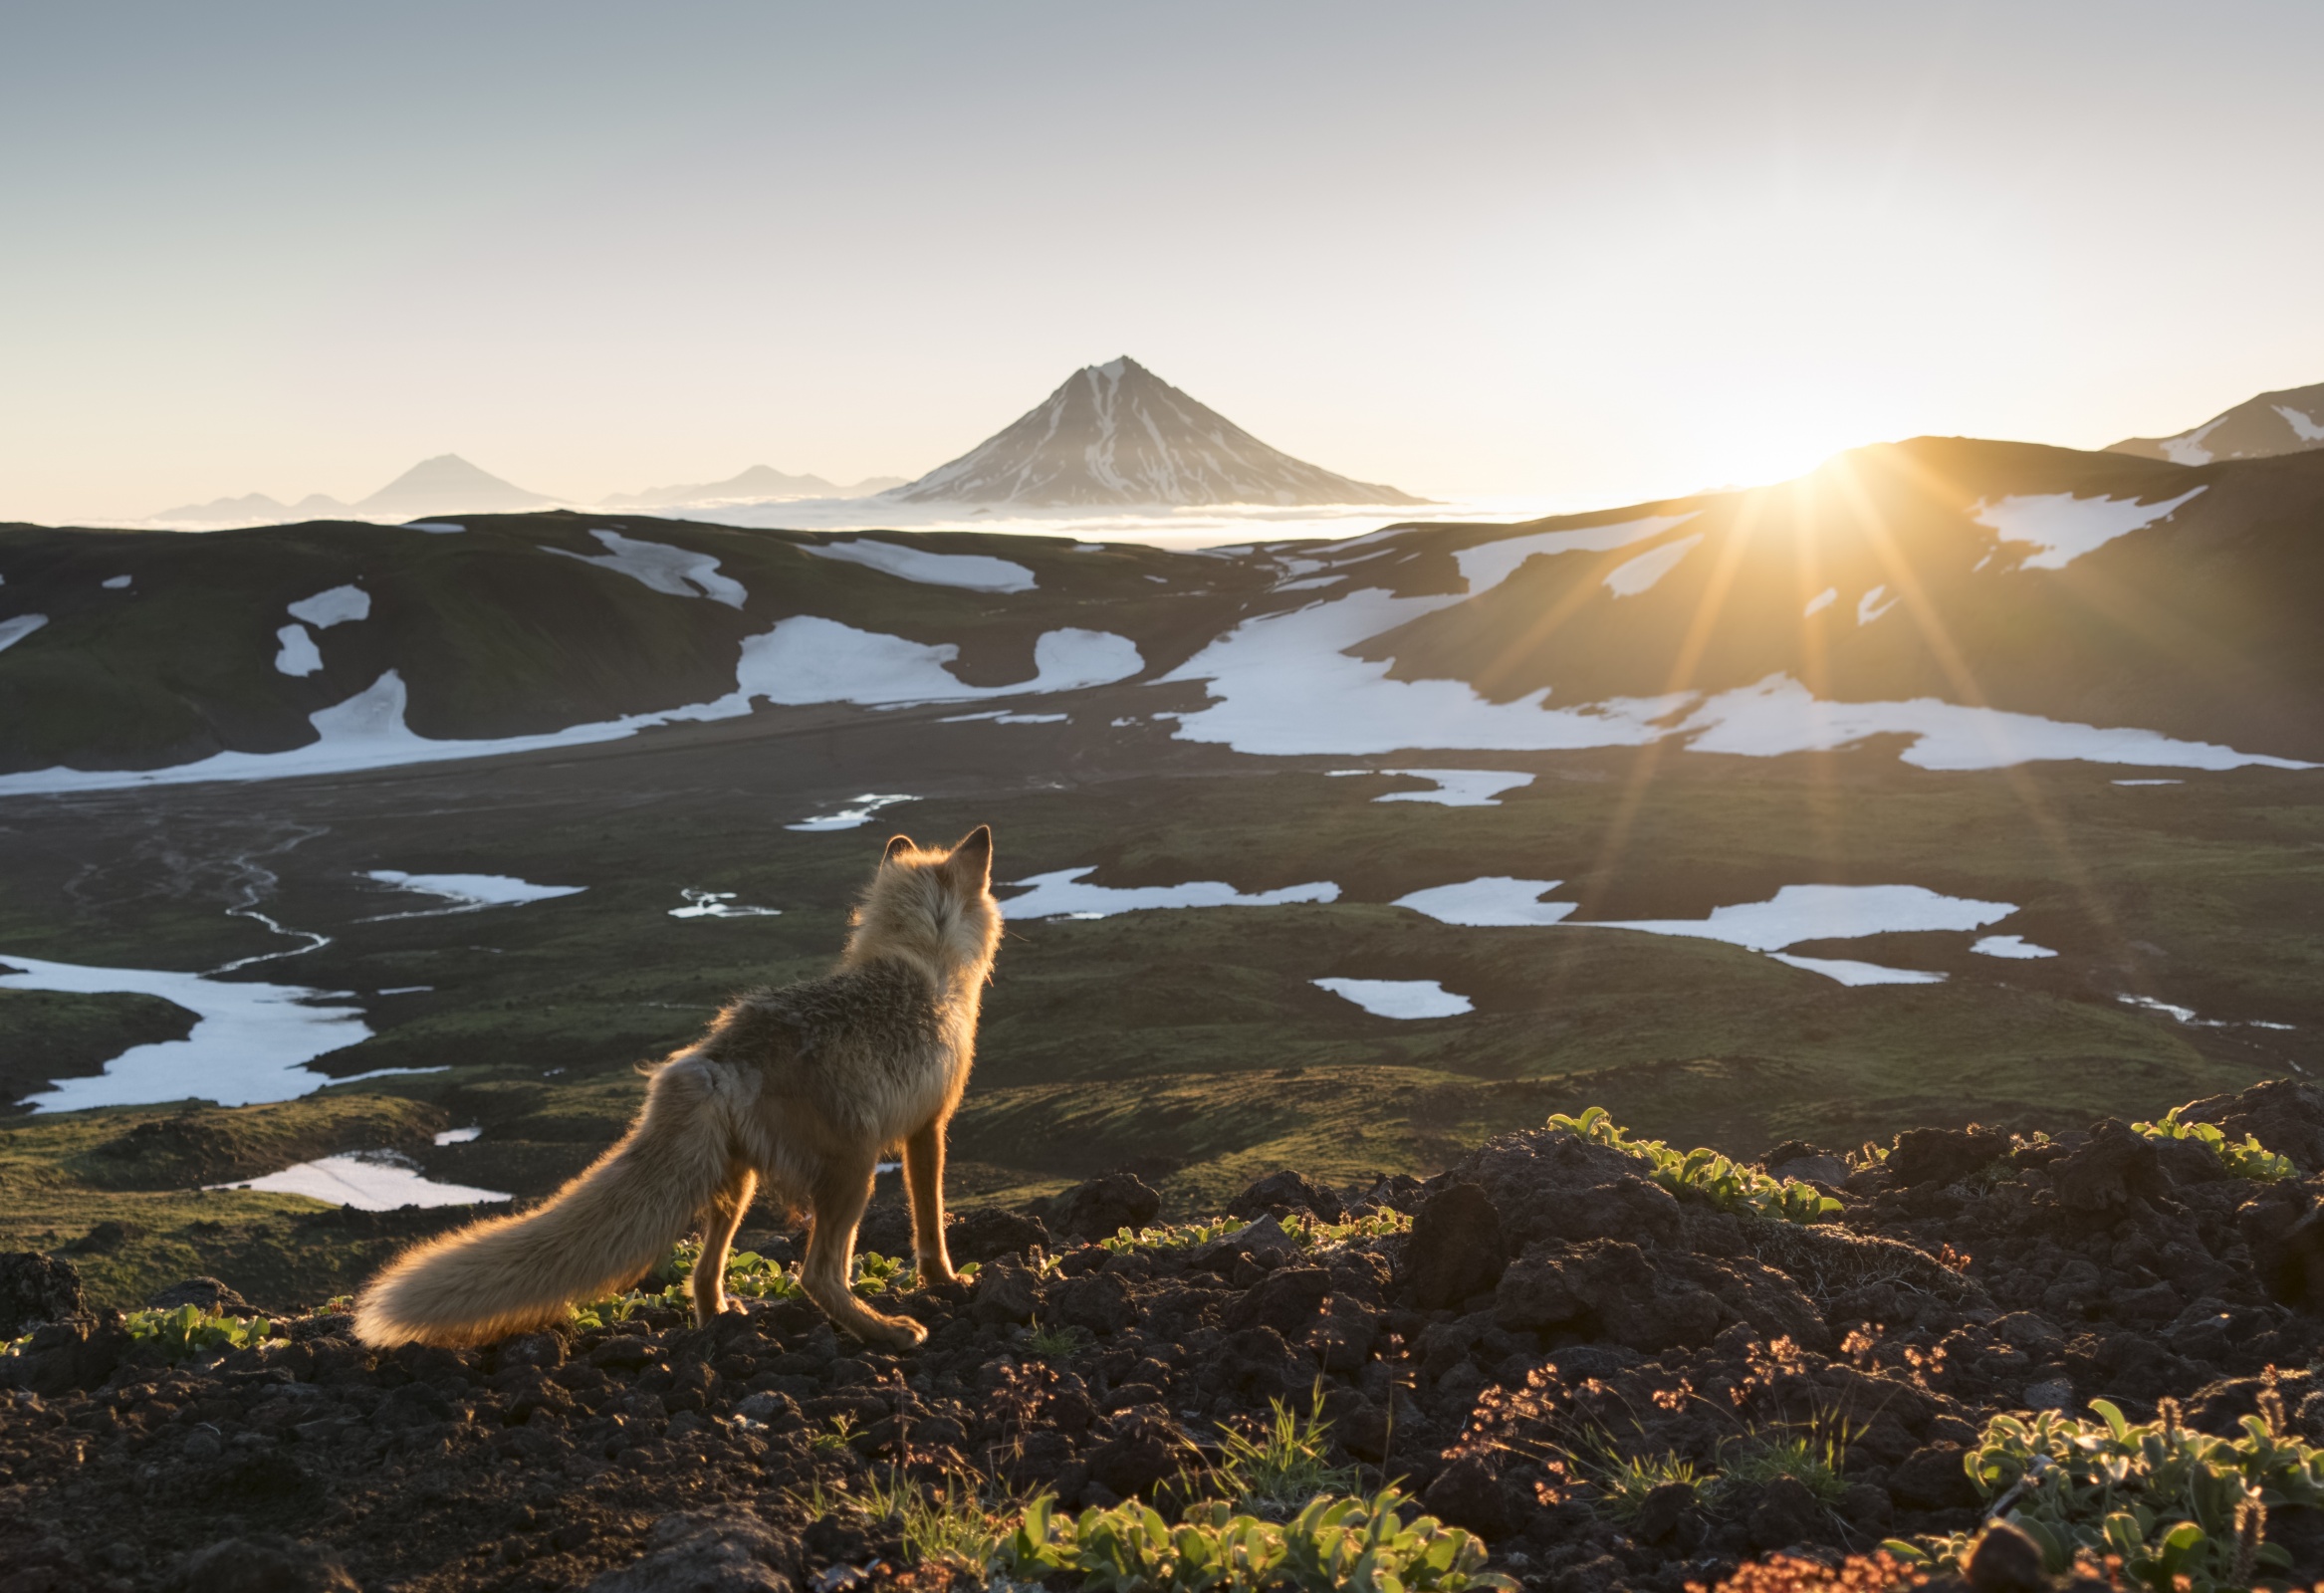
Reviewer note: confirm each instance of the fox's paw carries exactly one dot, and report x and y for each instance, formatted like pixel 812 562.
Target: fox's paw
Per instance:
pixel 896 1332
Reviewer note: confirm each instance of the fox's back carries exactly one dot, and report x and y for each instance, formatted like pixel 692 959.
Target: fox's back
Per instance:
pixel 872 1039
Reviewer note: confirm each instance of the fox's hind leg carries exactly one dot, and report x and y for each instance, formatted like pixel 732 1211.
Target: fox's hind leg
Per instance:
pixel 718 1221
pixel 840 1194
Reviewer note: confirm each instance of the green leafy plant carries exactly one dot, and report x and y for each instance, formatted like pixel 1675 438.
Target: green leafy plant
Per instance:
pixel 1304 1229
pixel 1814 1455
pixel 1049 1341
pixel 960 1525
pixel 835 1437
pixel 189 1330
pixel 2181 1509
pixel 1623 1480
pixel 2249 1159
pixel 875 1274
pixel 1704 1172
pixel 1364 1545
pixel 1285 1465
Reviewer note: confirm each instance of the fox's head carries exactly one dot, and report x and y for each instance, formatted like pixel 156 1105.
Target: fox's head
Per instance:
pixel 931 904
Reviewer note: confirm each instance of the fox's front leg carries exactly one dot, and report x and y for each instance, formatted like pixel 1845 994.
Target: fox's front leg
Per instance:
pixel 924 1173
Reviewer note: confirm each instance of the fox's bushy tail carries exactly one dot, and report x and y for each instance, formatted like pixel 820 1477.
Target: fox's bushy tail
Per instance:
pixel 601 1233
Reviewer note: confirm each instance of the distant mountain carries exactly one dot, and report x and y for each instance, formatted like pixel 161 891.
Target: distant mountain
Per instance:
pixel 1117 433
pixel 2287 422
pixel 251 508
pixel 449 484
pixel 759 484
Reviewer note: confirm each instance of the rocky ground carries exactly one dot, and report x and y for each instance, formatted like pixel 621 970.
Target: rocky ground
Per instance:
pixel 1551 1311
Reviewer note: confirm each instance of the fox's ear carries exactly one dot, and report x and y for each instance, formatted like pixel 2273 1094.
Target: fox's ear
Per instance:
pixel 897 845
pixel 972 860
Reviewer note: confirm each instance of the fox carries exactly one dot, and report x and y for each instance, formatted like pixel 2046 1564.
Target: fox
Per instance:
pixel 799 1089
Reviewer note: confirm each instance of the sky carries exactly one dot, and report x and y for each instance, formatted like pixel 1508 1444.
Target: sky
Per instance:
pixel 1594 253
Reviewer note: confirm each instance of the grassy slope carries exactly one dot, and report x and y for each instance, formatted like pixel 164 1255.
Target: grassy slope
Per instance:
pixel 1191 1045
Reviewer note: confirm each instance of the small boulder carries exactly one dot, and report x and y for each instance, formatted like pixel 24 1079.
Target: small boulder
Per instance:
pixel 1933 1478
pixel 1006 1292
pixel 1103 1207
pixel 1288 1300
pixel 36 1288
pixel 1098 1301
pixel 1280 1193
pixel 727 1549
pixel 1469 1494
pixel 981 1236
pixel 2114 1168
pixel 1942 1155
pixel 260 1565
pixel 1454 1251
pixel 2005 1560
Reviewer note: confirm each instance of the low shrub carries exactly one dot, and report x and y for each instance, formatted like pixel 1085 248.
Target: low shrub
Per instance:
pixel 1364 1545
pixel 2249 1159
pixel 2179 1508
pixel 1704 1172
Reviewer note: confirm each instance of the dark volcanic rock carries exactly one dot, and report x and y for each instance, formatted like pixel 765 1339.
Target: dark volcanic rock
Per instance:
pixel 981 1235
pixel 36 1288
pixel 724 1551
pixel 2114 1168
pixel 2284 1115
pixel 1455 1248
pixel 1284 1192
pixel 261 1565
pixel 1103 1207
pixel 1940 1155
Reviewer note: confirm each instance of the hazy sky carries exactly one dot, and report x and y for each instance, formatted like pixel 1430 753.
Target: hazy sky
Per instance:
pixel 1591 251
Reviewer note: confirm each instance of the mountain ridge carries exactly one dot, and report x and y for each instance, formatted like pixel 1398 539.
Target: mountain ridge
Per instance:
pixel 2287 422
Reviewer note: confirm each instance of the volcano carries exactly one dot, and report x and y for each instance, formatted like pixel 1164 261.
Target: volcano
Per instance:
pixel 1117 433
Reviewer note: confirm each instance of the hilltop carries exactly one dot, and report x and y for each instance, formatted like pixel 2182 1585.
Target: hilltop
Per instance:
pixel 1618 1372
pixel 2286 422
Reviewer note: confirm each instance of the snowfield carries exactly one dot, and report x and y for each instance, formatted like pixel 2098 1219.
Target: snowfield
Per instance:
pixel 16 627
pixel 969 572
pixel 467 893
pixel 802 660
pixel 297 653
pixel 1455 788
pixel 854 814
pixel 370 1181
pixel 1794 914
pixel 1065 894
pixel 679 572
pixel 251 1042
pixel 2061 528
pixel 337 606
pixel 1399 997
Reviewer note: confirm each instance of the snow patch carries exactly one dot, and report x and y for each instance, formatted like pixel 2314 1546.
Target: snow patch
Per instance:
pixel 1821 601
pixel 2303 426
pixel 1493 902
pixel 1455 788
pixel 296 654
pixel 1486 564
pixel 679 572
pixel 468 893
pixel 335 606
pixel 854 816
pixel 2016 946
pixel 809 659
pixel 116 583
pixel 1778 715
pixel 1630 578
pixel 1065 894
pixel 250 1042
pixel 969 572
pixel 1870 607
pixel 2189 449
pixel 1794 914
pixel 802 660
pixel 2062 527
pixel 436 528
pixel 459 1136
pixel 721 904
pixel 370 1181
pixel 18 626
pixel 1399 997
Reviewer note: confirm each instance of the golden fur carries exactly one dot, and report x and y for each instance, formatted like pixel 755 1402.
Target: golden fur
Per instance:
pixel 802 1087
